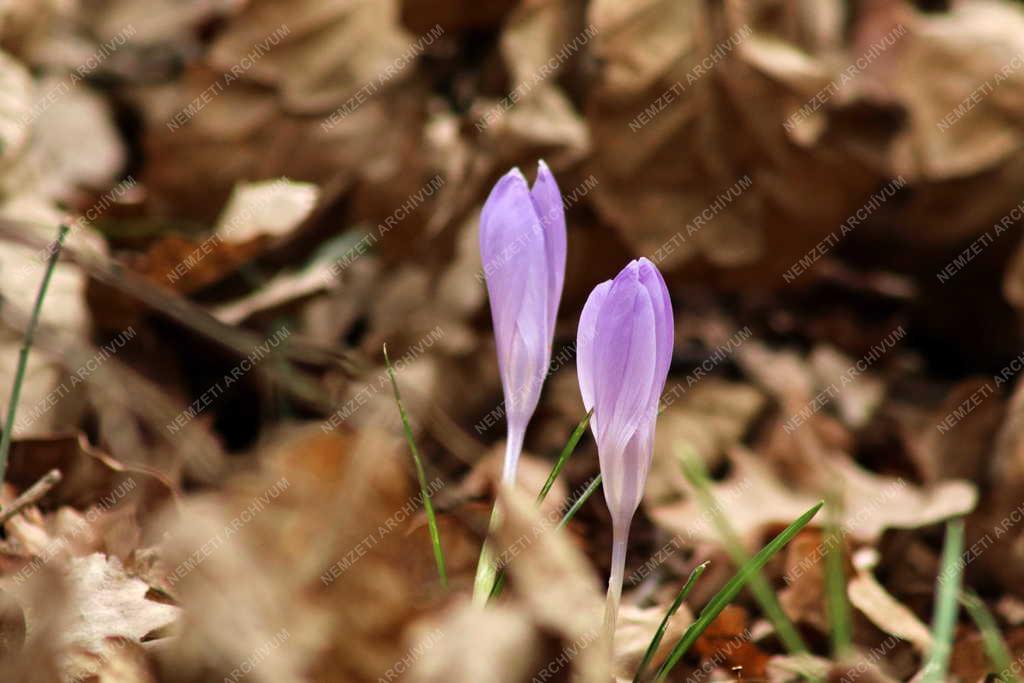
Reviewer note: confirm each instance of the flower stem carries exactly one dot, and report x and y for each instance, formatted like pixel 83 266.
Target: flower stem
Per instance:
pixel 620 534
pixel 486 567
pixel 513 449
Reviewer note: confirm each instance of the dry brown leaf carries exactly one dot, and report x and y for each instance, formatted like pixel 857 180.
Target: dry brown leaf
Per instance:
pixel 285 288
pixel 872 503
pixel 950 55
pixel 636 628
pixel 15 108
pixel 107 602
pixel 119 661
pixel 75 144
pixel 706 414
pixel 728 643
pixel 873 601
pixel 330 51
pixel 268 208
pixel 89 476
pixel 553 581
pixel 325 592
pixel 942 451
pixel 858 399
pixel 803 598
pixel 465 644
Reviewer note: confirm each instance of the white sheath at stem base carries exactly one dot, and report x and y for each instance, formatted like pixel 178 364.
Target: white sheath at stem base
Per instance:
pixel 620 535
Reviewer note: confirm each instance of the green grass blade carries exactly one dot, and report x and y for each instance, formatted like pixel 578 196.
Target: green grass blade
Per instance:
pixel 26 346
pixel 838 606
pixel 563 457
pixel 435 536
pixel 995 646
pixel 732 589
pixel 499 582
pixel 571 512
pixel 693 468
pixel 660 633
pixel 946 605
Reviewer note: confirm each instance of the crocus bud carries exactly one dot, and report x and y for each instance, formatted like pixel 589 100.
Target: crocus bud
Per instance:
pixel 623 352
pixel 522 246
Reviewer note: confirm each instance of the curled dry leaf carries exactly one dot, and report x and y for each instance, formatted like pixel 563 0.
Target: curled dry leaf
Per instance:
pixel 888 614
pixel 88 476
pixel 285 288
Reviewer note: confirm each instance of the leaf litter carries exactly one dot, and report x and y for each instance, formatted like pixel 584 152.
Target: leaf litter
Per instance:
pixel 278 544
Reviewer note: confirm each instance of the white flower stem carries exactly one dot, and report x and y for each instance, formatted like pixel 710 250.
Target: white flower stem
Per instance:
pixel 486 569
pixel 620 536
pixel 513 449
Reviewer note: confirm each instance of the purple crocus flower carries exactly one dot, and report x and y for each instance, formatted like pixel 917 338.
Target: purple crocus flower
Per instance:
pixel 623 351
pixel 522 246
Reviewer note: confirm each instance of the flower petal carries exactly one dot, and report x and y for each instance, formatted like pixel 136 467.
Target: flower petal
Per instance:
pixel 514 257
pixel 624 477
pixel 585 366
pixel 664 324
pixel 547 200
pixel 625 360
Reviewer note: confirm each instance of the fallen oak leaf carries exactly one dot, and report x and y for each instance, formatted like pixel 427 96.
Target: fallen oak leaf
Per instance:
pixel 102 601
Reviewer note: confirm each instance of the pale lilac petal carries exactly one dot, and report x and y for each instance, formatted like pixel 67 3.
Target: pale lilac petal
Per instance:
pixel 585 345
pixel 524 268
pixel 625 364
pixel 530 355
pixel 664 324
pixel 624 348
pixel 513 255
pixel 547 200
pixel 624 477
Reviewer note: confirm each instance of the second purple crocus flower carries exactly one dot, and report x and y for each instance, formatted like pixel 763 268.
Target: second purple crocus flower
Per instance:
pixel 523 246
pixel 623 352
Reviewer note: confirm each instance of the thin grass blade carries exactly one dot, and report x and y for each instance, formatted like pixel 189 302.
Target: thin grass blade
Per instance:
pixel 26 347
pixel 660 633
pixel 837 603
pixel 732 589
pixel 995 647
pixel 946 606
pixel 571 512
pixel 435 536
pixel 563 457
